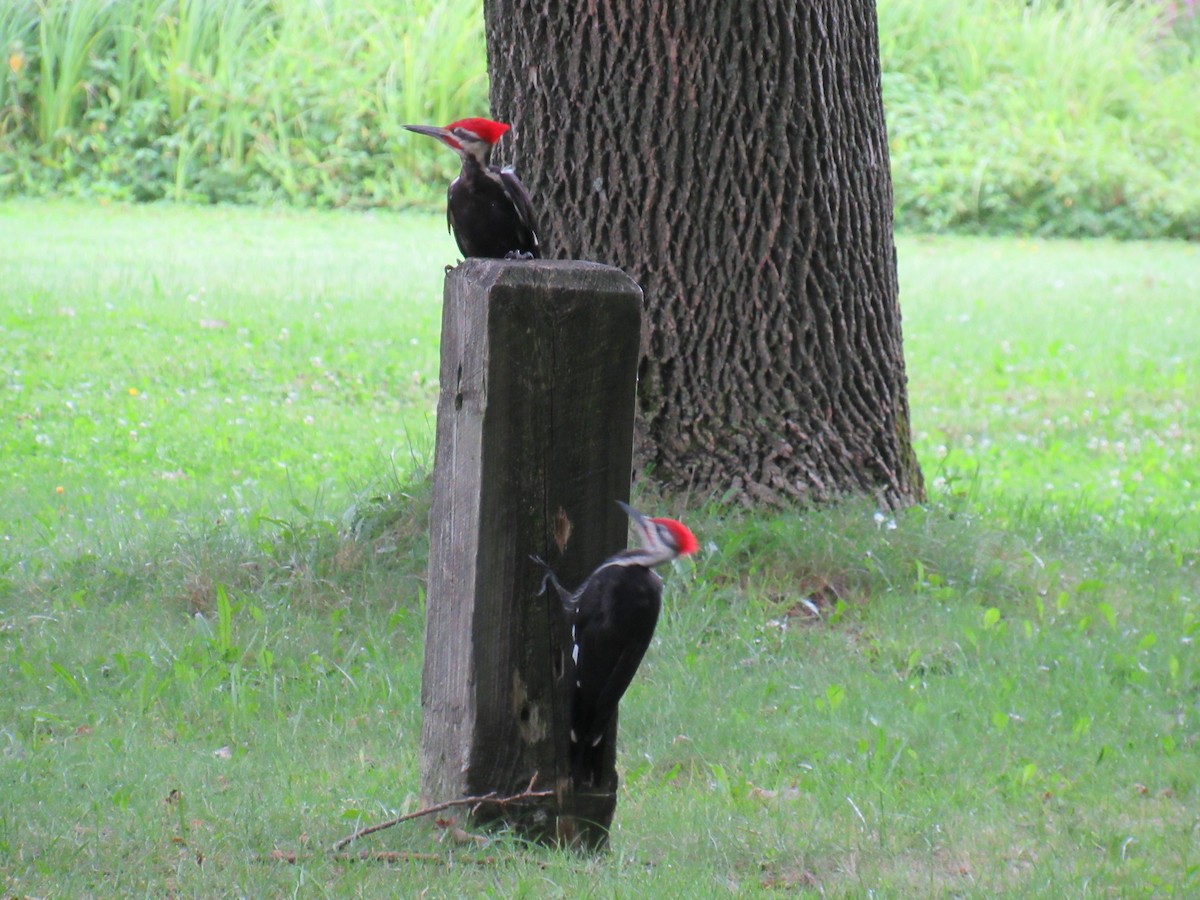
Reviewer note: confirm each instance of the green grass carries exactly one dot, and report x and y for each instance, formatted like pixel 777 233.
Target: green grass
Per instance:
pixel 160 359
pixel 1063 373
pixel 210 640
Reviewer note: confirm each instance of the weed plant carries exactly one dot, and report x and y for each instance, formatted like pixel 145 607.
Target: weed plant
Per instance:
pixel 210 638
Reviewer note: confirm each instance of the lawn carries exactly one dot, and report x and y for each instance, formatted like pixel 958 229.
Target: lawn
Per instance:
pixel 163 362
pixel 214 427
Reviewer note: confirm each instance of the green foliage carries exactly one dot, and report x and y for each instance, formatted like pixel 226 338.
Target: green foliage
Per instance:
pixel 242 100
pixel 210 639
pixel 1067 119
pixel 1046 118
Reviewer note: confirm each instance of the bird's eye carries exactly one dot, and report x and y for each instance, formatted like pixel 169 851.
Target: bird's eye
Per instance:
pixel 664 535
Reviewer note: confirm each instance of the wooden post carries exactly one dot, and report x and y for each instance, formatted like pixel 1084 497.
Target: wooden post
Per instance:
pixel 534 446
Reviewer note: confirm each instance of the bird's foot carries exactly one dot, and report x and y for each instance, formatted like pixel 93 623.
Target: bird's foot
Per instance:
pixel 551 579
pixel 519 254
pixel 549 573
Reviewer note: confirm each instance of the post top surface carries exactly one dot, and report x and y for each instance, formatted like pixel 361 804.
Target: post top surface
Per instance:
pixel 570 274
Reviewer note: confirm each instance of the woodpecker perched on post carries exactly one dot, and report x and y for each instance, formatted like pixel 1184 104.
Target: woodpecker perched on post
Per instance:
pixel 487 208
pixel 612 617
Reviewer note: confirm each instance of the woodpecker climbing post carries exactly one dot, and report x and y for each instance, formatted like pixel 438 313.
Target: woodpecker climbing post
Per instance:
pixel 534 444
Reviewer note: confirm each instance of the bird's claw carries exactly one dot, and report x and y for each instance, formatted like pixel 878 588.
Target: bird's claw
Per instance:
pixel 546 577
pixel 550 578
pixel 518 254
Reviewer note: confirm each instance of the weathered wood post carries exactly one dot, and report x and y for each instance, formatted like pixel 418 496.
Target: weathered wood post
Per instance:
pixel 534 445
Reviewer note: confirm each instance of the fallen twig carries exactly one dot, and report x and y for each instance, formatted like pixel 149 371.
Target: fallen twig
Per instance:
pixel 528 794
pixel 291 857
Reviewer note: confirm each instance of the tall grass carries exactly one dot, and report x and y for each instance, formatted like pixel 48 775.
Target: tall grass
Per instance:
pixel 66 37
pixel 235 99
pixel 1053 118
pixel 1043 117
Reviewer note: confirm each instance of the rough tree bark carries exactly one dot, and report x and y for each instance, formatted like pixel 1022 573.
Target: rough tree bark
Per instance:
pixel 732 157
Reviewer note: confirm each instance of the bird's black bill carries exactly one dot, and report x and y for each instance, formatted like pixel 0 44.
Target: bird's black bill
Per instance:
pixel 432 131
pixel 638 519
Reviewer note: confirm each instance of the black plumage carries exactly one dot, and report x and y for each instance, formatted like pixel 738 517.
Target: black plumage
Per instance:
pixel 612 617
pixel 490 213
pixel 487 208
pixel 613 624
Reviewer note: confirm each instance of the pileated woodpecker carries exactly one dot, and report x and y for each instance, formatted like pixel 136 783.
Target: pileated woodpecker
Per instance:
pixel 487 208
pixel 612 617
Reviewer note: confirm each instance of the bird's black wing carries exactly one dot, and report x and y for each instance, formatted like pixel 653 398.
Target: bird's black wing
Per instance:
pixel 521 201
pixel 606 702
pixel 450 206
pixel 614 623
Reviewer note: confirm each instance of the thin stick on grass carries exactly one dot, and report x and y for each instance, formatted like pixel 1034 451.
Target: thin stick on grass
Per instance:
pixel 475 802
pixel 291 857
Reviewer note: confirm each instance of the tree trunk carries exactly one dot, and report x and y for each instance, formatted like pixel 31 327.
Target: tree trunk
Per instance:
pixel 732 157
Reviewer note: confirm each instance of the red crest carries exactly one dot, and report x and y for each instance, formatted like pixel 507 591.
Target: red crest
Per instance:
pixel 487 130
pixel 684 539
